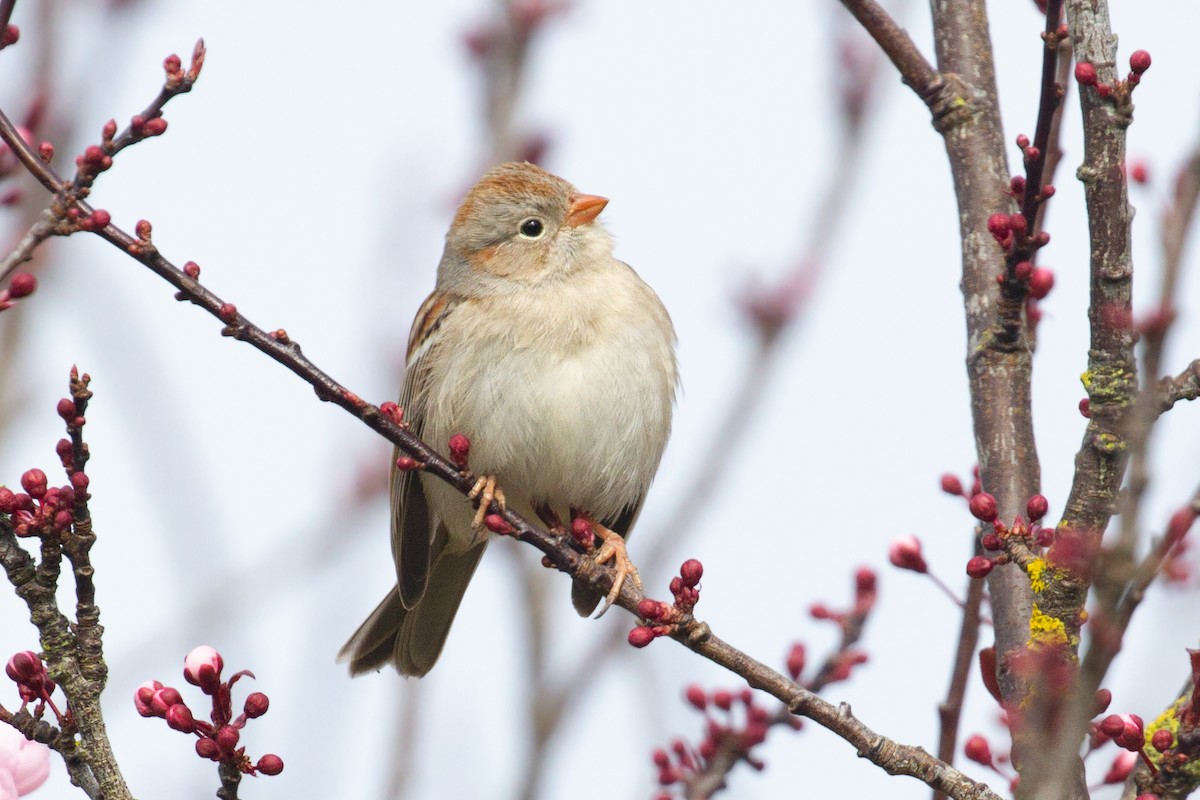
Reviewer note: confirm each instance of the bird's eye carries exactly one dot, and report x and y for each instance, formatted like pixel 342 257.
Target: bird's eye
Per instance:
pixel 532 228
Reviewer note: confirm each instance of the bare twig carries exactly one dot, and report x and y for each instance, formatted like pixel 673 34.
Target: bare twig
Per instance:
pixel 950 710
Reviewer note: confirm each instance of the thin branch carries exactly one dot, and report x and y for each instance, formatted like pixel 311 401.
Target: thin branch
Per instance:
pixel 950 710
pixel 41 230
pixel 915 70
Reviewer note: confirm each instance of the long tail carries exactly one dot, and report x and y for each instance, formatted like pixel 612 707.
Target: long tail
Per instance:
pixel 412 639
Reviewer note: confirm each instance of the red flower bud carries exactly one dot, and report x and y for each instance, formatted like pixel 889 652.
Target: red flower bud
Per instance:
pixel 460 450
pixel 180 718
pixel 207 748
pixel 227 738
pixel 641 636
pixel 997 225
pixel 978 750
pixel 691 572
pixel 979 567
pixel 1041 282
pixel 270 764
pixel 1085 73
pixel 983 507
pixel 952 485
pixel 1121 766
pixel 723 699
pixel 1037 507
pixel 1139 61
pixel 1161 740
pixel 795 661
pixel 257 704
pixel 497 524
pixel 228 312
pixel 696 696
pixel 34 482
pixel 1180 524
pixel 22 285
pixel 192 270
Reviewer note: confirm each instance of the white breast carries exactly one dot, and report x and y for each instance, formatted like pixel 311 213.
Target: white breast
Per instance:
pixel 565 392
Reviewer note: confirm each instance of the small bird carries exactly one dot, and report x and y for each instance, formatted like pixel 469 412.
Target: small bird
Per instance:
pixel 557 362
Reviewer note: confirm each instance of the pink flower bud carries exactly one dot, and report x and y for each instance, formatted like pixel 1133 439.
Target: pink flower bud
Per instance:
pixel 696 696
pixel 192 270
pixel 723 699
pixel 1022 270
pixel 1162 739
pixel 8 501
pixel 983 507
pixel 691 572
pixel 1139 61
pixel 228 313
pixel 143 697
pixel 1085 73
pixel 905 553
pixel 406 464
pixel 1103 700
pixel 202 667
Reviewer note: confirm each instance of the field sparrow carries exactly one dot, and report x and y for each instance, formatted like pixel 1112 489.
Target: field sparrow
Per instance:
pixel 557 362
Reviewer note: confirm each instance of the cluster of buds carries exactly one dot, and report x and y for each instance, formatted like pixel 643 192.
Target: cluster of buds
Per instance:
pixel 216 740
pixel 734 725
pixel 840 664
pixel 34 684
pixel 22 285
pixel 984 508
pixel 661 618
pixel 1011 231
pixel 1139 62
pixel 41 509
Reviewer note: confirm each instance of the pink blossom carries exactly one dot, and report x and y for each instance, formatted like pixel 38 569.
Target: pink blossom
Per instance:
pixel 24 765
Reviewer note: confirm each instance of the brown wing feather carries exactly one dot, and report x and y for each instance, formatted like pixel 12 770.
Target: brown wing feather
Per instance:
pixel 412 528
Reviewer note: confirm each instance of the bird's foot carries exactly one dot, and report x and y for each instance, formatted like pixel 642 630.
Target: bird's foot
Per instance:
pixel 484 492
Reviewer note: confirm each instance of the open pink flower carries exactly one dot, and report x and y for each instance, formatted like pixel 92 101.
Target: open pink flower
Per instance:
pixel 24 765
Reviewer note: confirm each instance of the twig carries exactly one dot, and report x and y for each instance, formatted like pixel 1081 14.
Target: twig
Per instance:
pixel 914 69
pixel 950 710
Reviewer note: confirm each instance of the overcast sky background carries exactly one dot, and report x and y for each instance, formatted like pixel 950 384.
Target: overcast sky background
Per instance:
pixel 312 174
